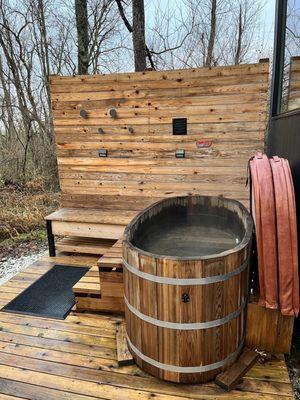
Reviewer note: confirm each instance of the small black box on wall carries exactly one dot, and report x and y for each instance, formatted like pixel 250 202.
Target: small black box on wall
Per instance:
pixel 179 126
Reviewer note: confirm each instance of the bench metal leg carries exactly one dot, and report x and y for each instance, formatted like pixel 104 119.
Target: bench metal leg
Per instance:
pixel 51 242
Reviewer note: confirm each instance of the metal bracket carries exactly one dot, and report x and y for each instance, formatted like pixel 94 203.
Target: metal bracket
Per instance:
pixel 102 153
pixel 180 153
pixel 50 236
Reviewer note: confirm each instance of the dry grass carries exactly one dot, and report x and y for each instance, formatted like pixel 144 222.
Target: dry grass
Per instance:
pixel 23 208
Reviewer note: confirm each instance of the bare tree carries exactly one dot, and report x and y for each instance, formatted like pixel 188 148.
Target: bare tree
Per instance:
pixel 224 32
pixel 245 23
pixel 137 28
pixel 138 35
pixel 40 37
pixel 82 34
pixel 212 34
pixel 293 29
pixel 290 93
pixel 105 35
pixel 238 49
pixel 163 42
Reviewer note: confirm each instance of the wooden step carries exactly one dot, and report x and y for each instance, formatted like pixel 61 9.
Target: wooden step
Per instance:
pixel 84 245
pixel 101 288
pixel 113 257
pixel 88 284
pixel 99 304
pixel 91 296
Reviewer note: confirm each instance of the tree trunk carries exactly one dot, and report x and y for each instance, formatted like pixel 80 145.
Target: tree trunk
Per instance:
pixel 138 35
pixel 212 34
pixel 82 36
pixel 237 56
pixel 45 64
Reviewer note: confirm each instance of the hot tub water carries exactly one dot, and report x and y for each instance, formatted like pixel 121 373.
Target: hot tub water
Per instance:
pixel 186 235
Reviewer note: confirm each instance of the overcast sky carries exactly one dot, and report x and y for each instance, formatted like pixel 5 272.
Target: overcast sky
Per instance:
pixel 267 18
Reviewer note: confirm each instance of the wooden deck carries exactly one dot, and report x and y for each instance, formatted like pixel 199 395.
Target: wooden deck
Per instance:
pixel 46 359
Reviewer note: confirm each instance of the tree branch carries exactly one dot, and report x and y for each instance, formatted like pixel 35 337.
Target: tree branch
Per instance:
pixel 129 27
pixel 123 16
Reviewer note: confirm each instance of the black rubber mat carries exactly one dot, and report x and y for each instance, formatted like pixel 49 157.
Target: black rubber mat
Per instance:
pixel 51 295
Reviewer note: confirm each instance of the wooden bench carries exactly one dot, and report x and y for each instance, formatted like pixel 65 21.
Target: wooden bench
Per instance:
pixel 101 227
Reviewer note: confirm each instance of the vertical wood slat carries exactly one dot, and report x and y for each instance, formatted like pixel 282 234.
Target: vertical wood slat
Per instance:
pixel 150 304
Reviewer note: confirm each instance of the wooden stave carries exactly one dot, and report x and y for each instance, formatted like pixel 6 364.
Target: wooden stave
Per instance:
pixel 178 377
pixel 181 377
pixel 137 326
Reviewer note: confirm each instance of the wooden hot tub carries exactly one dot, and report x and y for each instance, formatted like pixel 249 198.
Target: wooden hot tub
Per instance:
pixel 186 285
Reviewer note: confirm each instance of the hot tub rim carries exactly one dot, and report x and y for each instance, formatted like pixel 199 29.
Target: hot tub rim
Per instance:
pixel 244 242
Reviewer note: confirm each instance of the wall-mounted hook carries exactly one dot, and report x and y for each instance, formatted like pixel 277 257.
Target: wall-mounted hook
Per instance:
pixel 113 113
pixel 83 113
pixel 130 129
pixel 101 131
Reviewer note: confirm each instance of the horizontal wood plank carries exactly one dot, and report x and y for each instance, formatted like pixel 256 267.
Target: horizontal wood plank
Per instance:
pixel 45 359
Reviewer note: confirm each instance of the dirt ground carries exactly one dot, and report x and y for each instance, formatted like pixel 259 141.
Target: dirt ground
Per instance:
pixel 22 211
pixel 22 226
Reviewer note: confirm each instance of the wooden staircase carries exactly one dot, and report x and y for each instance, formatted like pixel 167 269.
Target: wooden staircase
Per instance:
pixel 84 245
pixel 101 288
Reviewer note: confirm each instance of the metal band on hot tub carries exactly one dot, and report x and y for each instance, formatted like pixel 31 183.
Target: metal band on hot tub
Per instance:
pixel 187 370
pixel 185 326
pixel 185 282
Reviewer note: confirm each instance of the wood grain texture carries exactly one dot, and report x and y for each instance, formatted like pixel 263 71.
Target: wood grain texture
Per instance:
pixel 102 288
pixel 229 379
pixel 124 356
pixel 224 105
pixel 83 245
pixel 63 364
pixel 88 230
pixel 268 329
pixel 112 257
pixel 207 302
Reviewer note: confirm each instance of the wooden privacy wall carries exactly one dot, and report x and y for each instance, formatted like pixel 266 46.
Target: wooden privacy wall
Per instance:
pixel 224 105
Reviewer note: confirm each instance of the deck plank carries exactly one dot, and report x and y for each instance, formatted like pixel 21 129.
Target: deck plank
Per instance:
pixel 45 359
pixel 35 392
